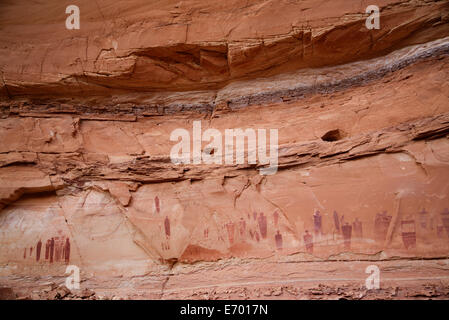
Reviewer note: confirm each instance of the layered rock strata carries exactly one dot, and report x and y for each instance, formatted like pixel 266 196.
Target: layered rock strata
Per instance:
pixel 363 157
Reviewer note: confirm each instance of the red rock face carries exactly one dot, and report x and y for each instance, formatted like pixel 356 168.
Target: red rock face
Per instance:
pixel 362 118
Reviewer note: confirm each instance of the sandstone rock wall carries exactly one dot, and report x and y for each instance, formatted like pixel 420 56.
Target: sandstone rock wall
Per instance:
pixel 86 118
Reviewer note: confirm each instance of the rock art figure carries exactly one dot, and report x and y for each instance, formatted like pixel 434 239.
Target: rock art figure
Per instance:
pixel 278 239
pixel 408 233
pixel 381 224
pixel 167 227
pixel 317 223
pixel 308 241
pixel 440 231
pixel 52 248
pixel 423 218
pixel 445 220
pixel 242 228
pixel 38 250
pixel 276 218
pixel 336 221
pixel 67 250
pixel 346 229
pixel 357 227
pixel 157 205
pixel 59 246
pixel 47 250
pixel 230 230
pixel 262 220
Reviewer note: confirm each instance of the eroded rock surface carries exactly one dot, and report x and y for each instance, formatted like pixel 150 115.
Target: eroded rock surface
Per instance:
pixel 363 132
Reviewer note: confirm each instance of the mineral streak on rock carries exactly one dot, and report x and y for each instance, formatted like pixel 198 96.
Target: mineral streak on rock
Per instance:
pixel 87 179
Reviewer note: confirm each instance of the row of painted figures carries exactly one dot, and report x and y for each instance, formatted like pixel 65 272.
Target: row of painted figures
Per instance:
pixel 57 249
pixel 342 229
pixel 258 229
